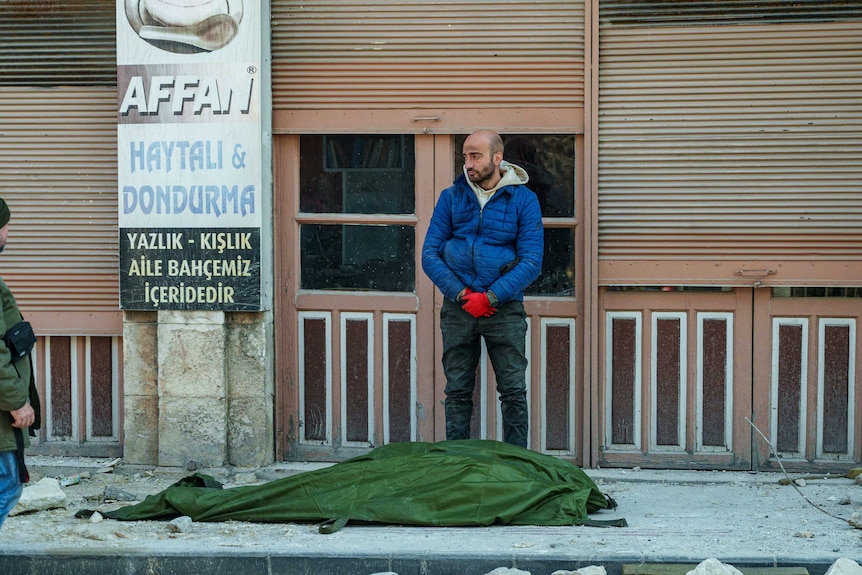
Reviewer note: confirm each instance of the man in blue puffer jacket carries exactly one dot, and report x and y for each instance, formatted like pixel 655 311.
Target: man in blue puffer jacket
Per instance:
pixel 483 248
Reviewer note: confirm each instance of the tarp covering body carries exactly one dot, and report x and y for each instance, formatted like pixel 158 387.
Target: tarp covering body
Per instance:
pixel 450 483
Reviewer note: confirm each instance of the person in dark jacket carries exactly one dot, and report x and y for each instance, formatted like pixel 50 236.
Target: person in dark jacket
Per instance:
pixel 15 409
pixel 483 248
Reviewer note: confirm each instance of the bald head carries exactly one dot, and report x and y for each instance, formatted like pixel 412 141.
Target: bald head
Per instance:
pixel 489 138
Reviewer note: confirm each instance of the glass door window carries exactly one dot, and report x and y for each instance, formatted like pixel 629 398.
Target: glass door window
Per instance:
pixel 357 205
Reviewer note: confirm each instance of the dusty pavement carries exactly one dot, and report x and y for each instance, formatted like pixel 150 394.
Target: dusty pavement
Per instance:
pixel 673 516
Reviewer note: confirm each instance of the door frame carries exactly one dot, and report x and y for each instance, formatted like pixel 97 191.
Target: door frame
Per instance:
pixel 292 304
pixel 547 317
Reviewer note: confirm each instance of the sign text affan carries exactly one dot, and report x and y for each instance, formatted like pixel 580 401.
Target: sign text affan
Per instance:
pixel 171 93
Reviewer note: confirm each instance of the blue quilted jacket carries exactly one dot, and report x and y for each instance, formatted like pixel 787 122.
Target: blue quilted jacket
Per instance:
pixel 498 247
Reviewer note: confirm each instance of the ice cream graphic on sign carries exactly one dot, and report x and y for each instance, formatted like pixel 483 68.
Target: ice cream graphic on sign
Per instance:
pixel 185 26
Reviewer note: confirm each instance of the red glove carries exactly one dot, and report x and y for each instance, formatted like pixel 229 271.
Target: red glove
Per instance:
pixel 462 297
pixel 478 305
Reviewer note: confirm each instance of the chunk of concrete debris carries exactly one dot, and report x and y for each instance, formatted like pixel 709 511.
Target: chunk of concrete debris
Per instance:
pixel 95 532
pixel 844 566
pixel 113 492
pixel 96 517
pixel 108 466
pixel 507 571
pixel 713 566
pixel 855 520
pixel 41 496
pixel 180 524
pixel 588 570
pixel 245 478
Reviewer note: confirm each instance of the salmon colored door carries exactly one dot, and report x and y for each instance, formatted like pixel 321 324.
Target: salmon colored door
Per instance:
pixel 729 378
pixel 675 378
pixel 806 378
pixel 357 334
pixel 354 325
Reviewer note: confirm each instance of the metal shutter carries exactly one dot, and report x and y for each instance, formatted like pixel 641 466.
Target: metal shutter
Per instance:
pixel 58 163
pixel 443 55
pixel 729 153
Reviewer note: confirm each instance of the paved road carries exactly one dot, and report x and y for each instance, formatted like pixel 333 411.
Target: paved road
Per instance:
pixel 744 519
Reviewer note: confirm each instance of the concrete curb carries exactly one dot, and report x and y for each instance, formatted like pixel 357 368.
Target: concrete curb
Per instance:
pixel 105 562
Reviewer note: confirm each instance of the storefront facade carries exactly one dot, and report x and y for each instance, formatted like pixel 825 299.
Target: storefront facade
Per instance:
pixel 702 222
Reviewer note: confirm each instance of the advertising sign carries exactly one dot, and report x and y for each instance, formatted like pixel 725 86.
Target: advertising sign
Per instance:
pixel 189 152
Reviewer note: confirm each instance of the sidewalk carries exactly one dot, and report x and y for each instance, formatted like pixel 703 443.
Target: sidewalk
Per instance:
pixel 744 519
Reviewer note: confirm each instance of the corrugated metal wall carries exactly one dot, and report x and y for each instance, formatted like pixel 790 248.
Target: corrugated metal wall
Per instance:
pixel 58 167
pixel 729 141
pixel 385 54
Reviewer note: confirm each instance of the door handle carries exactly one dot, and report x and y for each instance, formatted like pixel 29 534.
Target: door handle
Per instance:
pixel 755 273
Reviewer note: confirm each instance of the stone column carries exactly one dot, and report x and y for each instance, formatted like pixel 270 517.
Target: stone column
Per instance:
pixel 251 435
pixel 192 389
pixel 140 388
pixel 198 389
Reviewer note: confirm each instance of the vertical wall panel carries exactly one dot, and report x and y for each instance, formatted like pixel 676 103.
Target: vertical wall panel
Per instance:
pixel 559 364
pixel 101 388
pixel 669 393
pixel 789 374
pixel 683 394
pixel 314 377
pixel 357 352
pixel 714 340
pixel 835 390
pixel 623 394
pixel 60 389
pixel 399 346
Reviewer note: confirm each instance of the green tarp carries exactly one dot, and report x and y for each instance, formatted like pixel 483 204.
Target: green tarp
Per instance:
pixel 449 483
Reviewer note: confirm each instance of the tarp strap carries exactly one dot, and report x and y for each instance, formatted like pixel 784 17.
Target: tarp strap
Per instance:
pixel 23 474
pixel 621 522
pixel 332 526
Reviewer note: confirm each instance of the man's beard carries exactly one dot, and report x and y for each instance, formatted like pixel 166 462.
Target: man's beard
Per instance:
pixel 482 176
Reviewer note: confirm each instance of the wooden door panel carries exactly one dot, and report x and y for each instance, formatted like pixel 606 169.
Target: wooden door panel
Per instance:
pixel 675 378
pixel 807 355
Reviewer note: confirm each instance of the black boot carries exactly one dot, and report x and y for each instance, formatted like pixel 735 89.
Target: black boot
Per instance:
pixel 515 419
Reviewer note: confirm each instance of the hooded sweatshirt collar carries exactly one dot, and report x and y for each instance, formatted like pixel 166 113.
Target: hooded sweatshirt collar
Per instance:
pixel 512 175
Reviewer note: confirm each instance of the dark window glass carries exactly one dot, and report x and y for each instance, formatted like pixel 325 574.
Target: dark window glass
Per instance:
pixel 370 174
pixel 358 257
pixel 834 292
pixel 663 13
pixel 557 277
pixel 698 289
pixel 357 174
